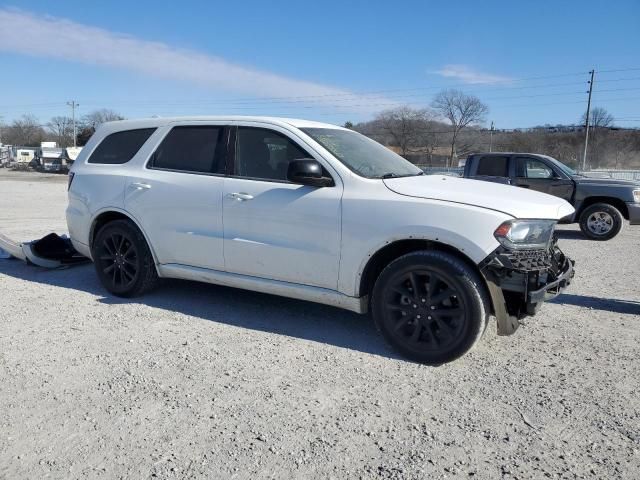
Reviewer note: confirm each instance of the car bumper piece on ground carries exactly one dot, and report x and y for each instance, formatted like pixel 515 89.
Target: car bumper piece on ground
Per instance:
pixel 520 281
pixel 51 251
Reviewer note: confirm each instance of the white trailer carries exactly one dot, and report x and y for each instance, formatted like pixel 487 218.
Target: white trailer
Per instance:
pixel 24 156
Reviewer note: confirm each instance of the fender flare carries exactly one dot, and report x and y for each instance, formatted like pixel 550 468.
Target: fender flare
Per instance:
pixel 131 217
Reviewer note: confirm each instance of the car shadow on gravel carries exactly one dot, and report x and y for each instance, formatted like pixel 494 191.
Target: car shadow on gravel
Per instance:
pixel 240 308
pixel 606 304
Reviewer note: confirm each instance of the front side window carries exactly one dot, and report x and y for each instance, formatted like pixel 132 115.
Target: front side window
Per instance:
pixel 120 147
pixel 265 154
pixel 561 166
pixel 532 168
pixel 197 149
pixel 362 155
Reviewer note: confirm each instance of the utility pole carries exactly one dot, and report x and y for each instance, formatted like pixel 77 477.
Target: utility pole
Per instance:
pixel 586 135
pixel 73 106
pixel 491 137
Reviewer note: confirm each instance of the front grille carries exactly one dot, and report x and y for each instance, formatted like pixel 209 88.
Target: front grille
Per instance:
pixel 529 260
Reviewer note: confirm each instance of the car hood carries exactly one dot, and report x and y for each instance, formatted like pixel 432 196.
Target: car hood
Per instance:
pixel 612 182
pixel 514 201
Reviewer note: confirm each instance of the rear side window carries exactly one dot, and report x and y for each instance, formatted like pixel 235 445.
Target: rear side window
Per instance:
pixel 198 149
pixel 493 166
pixel 120 147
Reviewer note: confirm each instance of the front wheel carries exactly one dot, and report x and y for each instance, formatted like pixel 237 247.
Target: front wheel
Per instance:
pixel 431 306
pixel 601 221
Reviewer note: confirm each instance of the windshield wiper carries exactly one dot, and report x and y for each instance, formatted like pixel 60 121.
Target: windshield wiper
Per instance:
pixel 395 175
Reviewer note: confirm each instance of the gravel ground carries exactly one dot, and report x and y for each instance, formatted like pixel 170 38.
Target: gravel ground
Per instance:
pixel 196 381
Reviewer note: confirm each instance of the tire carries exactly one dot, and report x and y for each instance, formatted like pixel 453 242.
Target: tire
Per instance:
pixel 601 221
pixel 122 259
pixel 430 306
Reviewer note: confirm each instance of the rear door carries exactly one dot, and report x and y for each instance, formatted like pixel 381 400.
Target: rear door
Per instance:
pixel 177 195
pixel 536 174
pixel 273 228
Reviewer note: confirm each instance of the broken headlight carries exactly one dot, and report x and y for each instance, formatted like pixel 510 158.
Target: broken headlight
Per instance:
pixel 525 234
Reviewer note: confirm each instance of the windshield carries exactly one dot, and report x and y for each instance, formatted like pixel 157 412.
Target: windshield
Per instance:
pixel 362 155
pixel 565 169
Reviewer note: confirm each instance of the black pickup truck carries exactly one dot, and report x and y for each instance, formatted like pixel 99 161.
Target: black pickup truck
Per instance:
pixel 601 204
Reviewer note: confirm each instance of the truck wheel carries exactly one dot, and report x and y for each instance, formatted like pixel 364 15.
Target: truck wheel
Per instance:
pixel 601 221
pixel 122 259
pixel 430 306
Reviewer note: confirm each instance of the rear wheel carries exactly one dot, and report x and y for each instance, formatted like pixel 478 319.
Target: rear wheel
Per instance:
pixel 430 306
pixel 122 259
pixel 601 221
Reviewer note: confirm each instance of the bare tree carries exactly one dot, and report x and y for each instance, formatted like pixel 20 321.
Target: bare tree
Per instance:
pixel 92 120
pixel 95 118
pixel 461 110
pixel 406 126
pixel 599 122
pixel 62 130
pixel 24 131
pixel 599 118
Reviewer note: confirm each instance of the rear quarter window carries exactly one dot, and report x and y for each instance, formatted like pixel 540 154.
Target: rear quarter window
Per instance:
pixel 120 147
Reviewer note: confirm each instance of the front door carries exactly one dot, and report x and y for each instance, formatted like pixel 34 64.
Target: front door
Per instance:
pixel 537 174
pixel 273 228
pixel 177 196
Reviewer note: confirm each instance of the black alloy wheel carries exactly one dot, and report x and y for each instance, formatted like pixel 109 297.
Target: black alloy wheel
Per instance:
pixel 430 305
pixel 123 260
pixel 424 308
pixel 118 260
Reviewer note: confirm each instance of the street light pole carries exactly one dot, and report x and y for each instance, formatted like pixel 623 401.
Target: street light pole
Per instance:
pixel 491 137
pixel 586 135
pixel 73 106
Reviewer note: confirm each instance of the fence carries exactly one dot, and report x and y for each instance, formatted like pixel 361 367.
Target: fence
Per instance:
pixel 600 173
pixel 621 174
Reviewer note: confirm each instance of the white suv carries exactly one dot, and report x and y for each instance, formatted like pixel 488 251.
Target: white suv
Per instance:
pixel 314 212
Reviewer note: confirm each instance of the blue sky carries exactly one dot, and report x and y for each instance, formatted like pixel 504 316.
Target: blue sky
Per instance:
pixel 326 60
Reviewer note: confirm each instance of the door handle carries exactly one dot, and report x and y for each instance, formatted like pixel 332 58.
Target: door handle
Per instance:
pixel 141 186
pixel 240 196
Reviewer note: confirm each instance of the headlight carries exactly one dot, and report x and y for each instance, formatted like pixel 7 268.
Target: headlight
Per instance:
pixel 525 234
pixel 636 196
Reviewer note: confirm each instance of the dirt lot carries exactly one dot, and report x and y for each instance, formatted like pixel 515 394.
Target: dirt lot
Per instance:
pixel 196 380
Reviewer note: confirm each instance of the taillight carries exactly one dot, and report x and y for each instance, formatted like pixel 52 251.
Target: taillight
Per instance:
pixel 71 175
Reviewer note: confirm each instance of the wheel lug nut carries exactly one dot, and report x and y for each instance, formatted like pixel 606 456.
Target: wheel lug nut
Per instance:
pixel 429 317
pixel 415 306
pixel 433 307
pixel 418 316
pixel 424 300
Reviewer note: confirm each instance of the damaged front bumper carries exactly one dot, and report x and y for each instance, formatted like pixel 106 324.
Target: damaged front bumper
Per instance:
pixel 519 281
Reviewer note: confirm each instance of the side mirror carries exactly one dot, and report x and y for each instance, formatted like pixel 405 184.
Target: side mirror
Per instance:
pixel 307 171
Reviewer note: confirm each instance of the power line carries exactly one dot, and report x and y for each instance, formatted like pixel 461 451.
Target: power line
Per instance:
pixel 633 69
pixel 350 95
